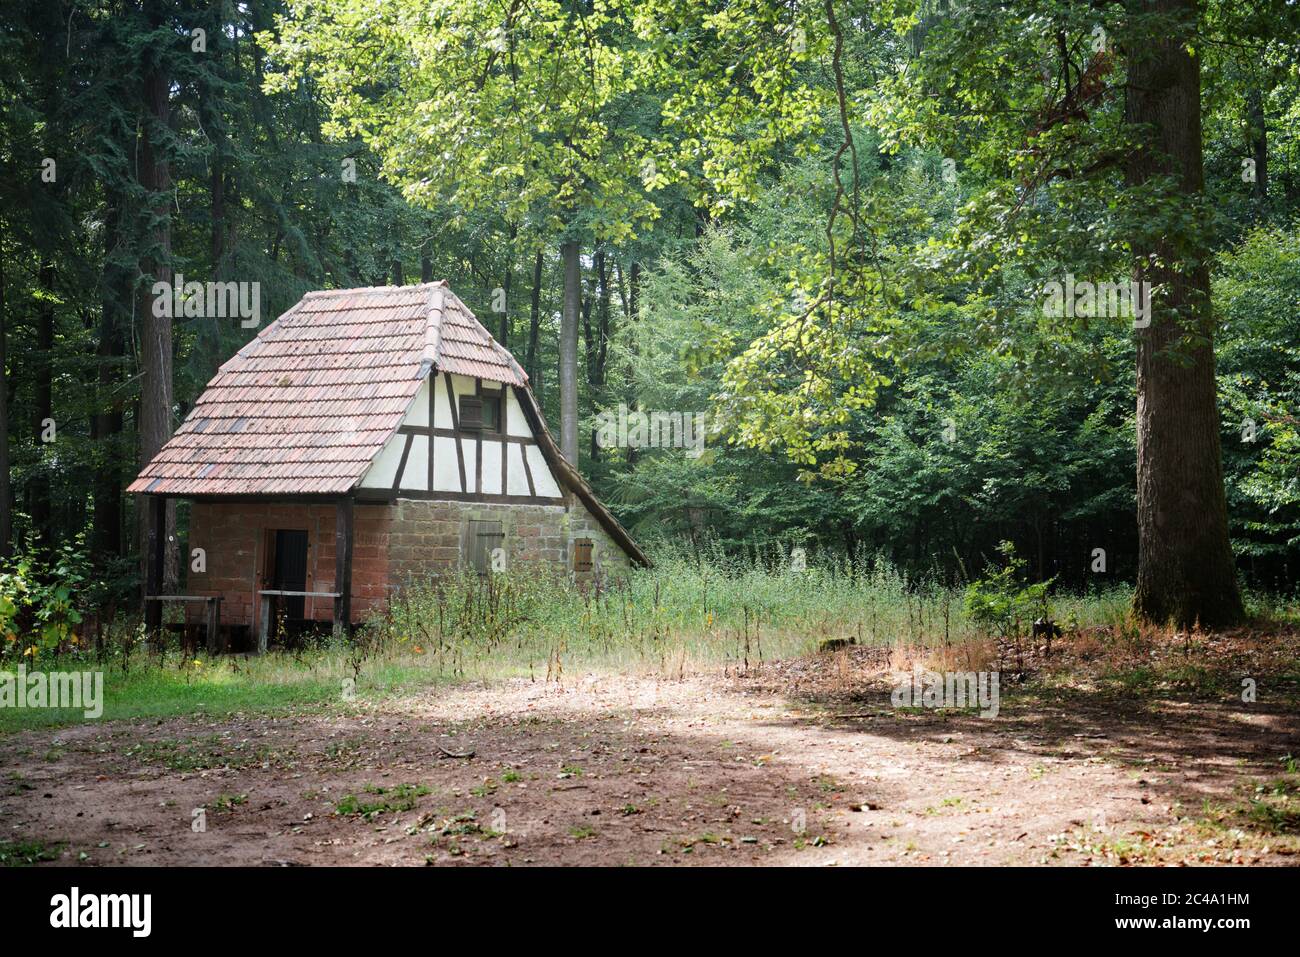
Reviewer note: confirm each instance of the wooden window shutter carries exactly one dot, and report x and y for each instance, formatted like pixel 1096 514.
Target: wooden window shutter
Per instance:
pixel 482 540
pixel 582 555
pixel 471 412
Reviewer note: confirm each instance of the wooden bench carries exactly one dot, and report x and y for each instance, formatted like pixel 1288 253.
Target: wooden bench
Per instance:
pixel 264 631
pixel 213 616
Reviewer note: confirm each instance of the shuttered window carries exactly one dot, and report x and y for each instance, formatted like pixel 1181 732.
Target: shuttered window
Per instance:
pixel 471 412
pixel 582 555
pixel 480 412
pixel 491 411
pixel 482 539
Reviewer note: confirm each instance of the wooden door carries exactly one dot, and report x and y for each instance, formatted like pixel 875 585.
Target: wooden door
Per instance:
pixel 291 570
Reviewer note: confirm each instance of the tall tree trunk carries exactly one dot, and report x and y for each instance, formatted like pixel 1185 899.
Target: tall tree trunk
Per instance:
pixel 503 334
pixel 569 350
pixel 603 315
pixel 210 342
pixel 503 326
pixel 598 351
pixel 588 359
pixel 1257 137
pixel 426 264
pixel 1185 568
pixel 49 244
pixel 6 494
pixel 633 308
pixel 38 489
pixel 154 175
pixel 395 268
pixel 106 425
pixel 217 187
pixel 534 322
pixel 213 123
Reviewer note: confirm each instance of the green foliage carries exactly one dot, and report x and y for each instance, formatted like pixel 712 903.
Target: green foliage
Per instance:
pixel 959 448
pixel 201 753
pixel 1001 601
pixel 39 603
pixel 1258 294
pixel 472 112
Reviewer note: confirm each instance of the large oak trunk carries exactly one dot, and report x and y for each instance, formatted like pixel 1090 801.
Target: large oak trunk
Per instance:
pixel 1185 570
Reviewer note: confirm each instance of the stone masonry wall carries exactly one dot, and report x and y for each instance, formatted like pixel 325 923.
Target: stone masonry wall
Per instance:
pixel 430 537
pixel 410 540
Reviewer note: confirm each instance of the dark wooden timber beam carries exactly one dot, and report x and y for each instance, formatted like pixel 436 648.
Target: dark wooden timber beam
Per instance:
pixel 455 427
pixel 214 626
pixel 155 555
pixel 343 520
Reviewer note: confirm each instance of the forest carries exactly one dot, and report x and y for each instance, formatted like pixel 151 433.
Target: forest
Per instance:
pixel 972 312
pixel 824 232
pixel 839 262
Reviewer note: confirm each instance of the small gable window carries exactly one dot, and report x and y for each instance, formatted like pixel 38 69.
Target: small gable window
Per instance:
pixel 480 413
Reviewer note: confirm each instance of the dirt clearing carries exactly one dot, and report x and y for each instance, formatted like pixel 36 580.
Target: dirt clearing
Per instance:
pixel 709 769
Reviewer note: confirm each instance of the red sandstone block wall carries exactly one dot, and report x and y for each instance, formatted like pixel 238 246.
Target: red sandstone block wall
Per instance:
pixel 233 536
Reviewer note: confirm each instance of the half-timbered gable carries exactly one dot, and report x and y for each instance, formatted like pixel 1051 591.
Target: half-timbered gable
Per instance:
pixel 483 447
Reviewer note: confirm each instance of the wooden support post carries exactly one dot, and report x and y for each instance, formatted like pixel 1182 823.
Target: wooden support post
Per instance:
pixel 214 625
pixel 343 565
pixel 155 551
pixel 264 632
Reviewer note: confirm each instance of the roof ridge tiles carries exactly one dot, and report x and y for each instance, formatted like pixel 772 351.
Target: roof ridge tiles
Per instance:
pixel 358 290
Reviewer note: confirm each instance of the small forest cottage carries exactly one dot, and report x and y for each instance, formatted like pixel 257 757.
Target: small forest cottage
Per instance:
pixel 365 439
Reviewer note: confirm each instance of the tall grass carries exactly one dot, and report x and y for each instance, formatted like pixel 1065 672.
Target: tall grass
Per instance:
pixel 684 611
pixel 688 611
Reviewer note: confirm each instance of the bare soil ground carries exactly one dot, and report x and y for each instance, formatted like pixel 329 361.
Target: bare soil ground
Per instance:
pixel 801 762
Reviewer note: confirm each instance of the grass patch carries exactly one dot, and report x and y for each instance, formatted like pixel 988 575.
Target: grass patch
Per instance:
pixel 160 691
pixel 273 684
pixel 394 799
pixel 27 853
pixel 228 802
pixel 1275 806
pixel 462 825
pixel 202 754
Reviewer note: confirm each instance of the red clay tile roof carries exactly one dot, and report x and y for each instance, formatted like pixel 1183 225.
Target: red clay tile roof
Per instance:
pixel 303 408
